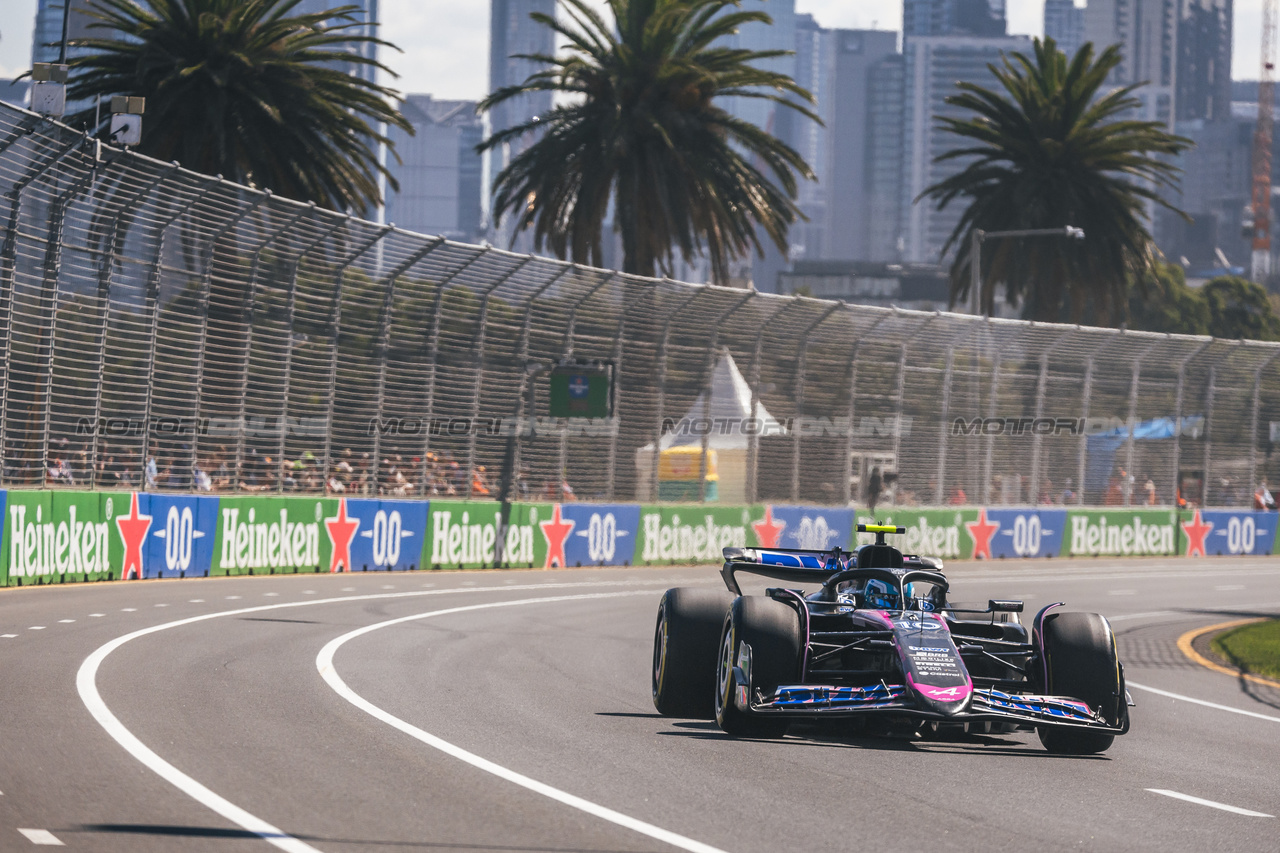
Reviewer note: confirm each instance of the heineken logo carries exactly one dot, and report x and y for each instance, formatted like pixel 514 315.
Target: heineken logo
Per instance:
pixel 933 540
pixel 276 543
pixel 464 540
pixel 1134 538
pixel 702 541
pixel 45 547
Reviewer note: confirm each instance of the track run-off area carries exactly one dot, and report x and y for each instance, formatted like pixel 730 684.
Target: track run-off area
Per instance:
pixel 510 711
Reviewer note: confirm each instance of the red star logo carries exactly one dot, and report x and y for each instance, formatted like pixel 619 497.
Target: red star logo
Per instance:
pixel 133 532
pixel 556 532
pixel 768 532
pixel 341 531
pixel 982 531
pixel 1197 530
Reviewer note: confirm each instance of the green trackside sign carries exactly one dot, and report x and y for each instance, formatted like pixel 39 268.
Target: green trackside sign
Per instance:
pixel 275 535
pixel 50 537
pixel 464 535
pixel 933 532
pixel 1121 533
pixel 694 533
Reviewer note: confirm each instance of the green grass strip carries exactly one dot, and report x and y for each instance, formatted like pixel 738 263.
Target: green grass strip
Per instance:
pixel 1253 648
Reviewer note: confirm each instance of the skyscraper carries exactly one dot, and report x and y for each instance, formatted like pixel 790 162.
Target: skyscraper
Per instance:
pixel 952 17
pixel 439 170
pixel 47 39
pixel 1064 23
pixel 1147 32
pixel 512 32
pixel 368 15
pixel 1204 60
pixel 933 66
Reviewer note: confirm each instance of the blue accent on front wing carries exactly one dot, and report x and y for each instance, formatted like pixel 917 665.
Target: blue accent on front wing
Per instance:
pixel 853 697
pixel 1047 706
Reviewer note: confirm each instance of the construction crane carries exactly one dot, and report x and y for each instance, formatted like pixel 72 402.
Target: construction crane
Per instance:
pixel 1262 149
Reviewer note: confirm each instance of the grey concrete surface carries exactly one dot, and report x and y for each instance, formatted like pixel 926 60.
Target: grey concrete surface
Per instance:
pixel 559 692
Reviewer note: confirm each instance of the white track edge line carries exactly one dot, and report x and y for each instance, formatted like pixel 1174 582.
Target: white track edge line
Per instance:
pixel 324 663
pixel 1210 803
pixel 86 685
pixel 1203 702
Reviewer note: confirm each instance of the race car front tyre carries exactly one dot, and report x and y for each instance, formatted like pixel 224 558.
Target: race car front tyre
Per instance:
pixel 1081 662
pixel 685 643
pixel 772 630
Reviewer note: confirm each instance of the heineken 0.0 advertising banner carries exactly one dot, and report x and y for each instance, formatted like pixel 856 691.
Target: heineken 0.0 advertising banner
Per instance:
pixel 462 535
pixel 50 537
pixel 275 535
pixel 178 532
pixel 697 534
pixel 811 528
pixel 601 534
pixel 1223 532
pixel 1121 533
pixel 382 535
pixel 945 533
pixel 1001 533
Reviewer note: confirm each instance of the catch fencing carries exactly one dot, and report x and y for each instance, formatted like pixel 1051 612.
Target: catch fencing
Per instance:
pixel 166 330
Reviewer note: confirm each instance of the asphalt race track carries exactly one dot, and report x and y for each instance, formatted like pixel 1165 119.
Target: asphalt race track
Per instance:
pixel 510 711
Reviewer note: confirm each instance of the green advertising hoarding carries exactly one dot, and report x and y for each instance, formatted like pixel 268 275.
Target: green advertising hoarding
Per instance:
pixel 695 533
pixel 273 535
pixel 1121 533
pixel 466 535
pixel 51 537
pixel 940 533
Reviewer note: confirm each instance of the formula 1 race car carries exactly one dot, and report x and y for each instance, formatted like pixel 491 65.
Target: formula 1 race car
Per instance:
pixel 879 642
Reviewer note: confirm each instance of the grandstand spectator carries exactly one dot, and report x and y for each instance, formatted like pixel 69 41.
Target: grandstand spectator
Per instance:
pixel 1262 499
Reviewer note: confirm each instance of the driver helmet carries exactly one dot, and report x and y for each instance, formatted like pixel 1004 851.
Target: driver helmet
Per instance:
pixel 881 596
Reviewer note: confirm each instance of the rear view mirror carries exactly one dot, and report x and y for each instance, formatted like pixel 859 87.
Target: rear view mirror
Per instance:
pixel 1004 605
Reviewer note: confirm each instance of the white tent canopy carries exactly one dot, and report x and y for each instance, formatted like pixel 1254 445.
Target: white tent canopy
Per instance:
pixel 729 414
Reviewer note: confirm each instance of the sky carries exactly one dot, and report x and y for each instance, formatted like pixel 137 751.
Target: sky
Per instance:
pixel 445 42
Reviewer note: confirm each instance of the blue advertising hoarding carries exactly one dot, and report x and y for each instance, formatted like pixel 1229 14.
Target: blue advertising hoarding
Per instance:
pixel 815 528
pixel 1023 532
pixel 179 540
pixel 388 535
pixel 1219 533
pixel 602 534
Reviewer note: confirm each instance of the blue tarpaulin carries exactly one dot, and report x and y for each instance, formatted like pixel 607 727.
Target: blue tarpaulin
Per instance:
pixel 1102 448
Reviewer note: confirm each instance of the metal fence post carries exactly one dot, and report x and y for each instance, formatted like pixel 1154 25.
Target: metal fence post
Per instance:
pixel 105 266
pixel 202 302
pixel 1083 450
pixel 1208 418
pixel 799 409
pixel 512 477
pixel 753 380
pixel 662 386
pixel 433 344
pixel 152 305
pixel 49 303
pixel 847 488
pixel 984 488
pixel 619 351
pixel 1042 383
pixel 706 400
pixel 943 438
pixel 1253 422
pixel 1177 421
pixel 248 310
pixel 570 330
pixel 383 349
pixel 1131 423
pixel 334 328
pixel 478 347
pixel 291 306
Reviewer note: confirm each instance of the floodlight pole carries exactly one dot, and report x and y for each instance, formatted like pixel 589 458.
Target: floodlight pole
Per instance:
pixel 977 237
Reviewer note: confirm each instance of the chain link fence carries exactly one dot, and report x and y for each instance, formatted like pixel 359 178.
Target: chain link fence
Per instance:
pixel 168 330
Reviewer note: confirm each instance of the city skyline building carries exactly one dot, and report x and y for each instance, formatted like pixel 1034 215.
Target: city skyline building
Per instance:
pixel 512 32
pixel 1064 23
pixel 932 67
pixel 439 171
pixel 953 17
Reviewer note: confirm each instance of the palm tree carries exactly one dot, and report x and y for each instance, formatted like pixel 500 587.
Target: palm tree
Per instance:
pixel 244 89
pixel 641 129
pixel 1047 152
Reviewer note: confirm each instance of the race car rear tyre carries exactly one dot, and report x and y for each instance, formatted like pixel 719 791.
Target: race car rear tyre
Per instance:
pixel 1081 662
pixel 772 630
pixel 685 643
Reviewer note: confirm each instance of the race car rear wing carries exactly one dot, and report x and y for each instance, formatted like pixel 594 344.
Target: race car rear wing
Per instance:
pixel 820 567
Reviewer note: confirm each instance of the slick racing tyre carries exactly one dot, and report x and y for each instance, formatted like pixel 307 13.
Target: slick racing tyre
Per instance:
pixel 1081 662
pixel 684 651
pixel 772 630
